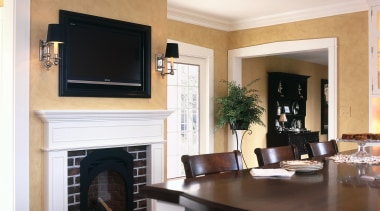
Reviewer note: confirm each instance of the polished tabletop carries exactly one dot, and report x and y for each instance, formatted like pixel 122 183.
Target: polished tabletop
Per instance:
pixel 338 186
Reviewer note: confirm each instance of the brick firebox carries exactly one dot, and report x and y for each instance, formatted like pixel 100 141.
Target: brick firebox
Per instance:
pixel 138 154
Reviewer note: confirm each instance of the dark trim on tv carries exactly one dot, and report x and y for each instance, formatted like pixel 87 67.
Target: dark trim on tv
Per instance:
pixel 104 57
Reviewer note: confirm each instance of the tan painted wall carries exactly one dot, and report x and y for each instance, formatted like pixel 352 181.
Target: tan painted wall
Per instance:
pixel 254 68
pixel 212 39
pixel 351 31
pixel 44 84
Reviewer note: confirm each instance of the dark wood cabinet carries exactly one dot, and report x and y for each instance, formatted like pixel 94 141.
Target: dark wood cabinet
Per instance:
pixel 287 138
pixel 287 94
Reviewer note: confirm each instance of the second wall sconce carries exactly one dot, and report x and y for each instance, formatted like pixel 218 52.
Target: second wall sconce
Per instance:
pixel 170 53
pixel 54 37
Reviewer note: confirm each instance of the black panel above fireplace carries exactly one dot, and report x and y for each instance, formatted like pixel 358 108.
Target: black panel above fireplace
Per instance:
pixel 104 57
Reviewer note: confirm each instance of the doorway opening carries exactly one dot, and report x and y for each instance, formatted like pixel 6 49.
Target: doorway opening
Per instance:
pixel 236 56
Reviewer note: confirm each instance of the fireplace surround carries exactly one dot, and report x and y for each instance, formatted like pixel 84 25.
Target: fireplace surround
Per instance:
pixel 69 130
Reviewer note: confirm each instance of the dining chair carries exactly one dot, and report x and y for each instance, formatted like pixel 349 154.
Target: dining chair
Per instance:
pixel 213 163
pixel 273 155
pixel 327 148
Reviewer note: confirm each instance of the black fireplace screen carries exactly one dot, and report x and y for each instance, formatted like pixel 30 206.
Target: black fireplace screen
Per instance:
pixel 107 180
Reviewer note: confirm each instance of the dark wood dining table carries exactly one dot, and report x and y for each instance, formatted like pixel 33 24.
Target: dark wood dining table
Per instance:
pixel 338 186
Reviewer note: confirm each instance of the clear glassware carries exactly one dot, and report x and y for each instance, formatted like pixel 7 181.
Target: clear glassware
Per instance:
pixel 361 154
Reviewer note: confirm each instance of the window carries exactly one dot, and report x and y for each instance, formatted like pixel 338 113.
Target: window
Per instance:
pixel 374 41
pixel 183 124
pixel 190 94
pixel 374 66
pixel 375 115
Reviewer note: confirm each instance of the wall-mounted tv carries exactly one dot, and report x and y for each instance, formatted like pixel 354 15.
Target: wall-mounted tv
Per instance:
pixel 103 57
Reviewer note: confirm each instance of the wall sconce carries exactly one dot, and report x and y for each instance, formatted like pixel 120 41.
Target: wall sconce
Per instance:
pixel 170 53
pixel 54 37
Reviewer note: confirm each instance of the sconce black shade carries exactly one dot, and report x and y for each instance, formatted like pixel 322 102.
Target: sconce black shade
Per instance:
pixel 171 50
pixel 55 33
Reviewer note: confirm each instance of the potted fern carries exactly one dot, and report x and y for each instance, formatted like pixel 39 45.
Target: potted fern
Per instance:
pixel 240 108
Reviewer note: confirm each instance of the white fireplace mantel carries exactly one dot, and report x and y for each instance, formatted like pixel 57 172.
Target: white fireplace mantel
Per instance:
pixel 86 129
pixel 67 130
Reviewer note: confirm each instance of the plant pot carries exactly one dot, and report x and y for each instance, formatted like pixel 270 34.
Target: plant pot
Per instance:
pixel 235 142
pixel 240 125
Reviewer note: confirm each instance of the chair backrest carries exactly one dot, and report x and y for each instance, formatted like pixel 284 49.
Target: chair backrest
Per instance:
pixel 196 165
pixel 327 148
pixel 272 155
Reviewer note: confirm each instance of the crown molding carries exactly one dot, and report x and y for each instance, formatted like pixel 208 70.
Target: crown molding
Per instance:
pixel 299 15
pixel 373 2
pixel 197 19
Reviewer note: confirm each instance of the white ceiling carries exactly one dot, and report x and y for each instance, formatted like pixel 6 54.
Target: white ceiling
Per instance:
pixel 316 56
pixel 230 15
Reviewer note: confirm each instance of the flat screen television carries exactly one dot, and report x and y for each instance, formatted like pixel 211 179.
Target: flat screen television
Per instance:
pixel 103 57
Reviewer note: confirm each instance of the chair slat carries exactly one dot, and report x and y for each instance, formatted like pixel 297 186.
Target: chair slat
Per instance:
pixel 273 155
pixel 196 165
pixel 327 148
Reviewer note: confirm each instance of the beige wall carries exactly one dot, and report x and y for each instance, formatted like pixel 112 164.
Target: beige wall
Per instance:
pixel 351 31
pixel 44 84
pixel 257 68
pixel 212 39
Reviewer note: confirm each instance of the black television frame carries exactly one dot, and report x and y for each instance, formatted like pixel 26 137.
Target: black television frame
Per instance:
pixel 104 90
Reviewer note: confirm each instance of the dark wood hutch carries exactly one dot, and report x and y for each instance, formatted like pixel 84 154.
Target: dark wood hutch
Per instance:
pixel 287 95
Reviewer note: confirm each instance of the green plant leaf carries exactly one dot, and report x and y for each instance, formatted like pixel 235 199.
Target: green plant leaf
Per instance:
pixel 241 107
